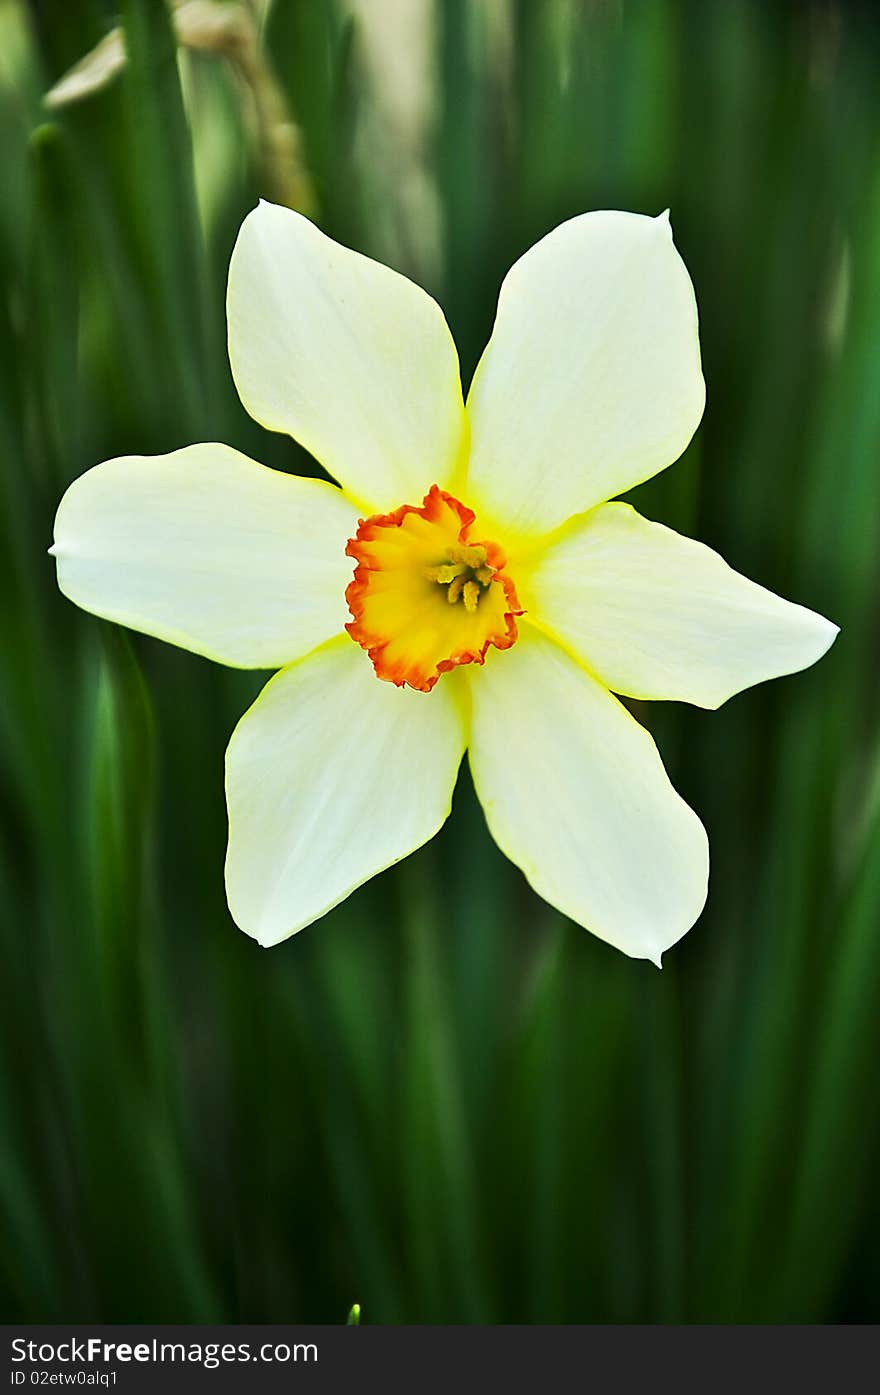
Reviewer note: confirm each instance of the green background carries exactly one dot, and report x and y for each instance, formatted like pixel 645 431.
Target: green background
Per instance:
pixel 444 1101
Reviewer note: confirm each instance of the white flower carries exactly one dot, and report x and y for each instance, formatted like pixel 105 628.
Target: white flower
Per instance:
pixel 501 600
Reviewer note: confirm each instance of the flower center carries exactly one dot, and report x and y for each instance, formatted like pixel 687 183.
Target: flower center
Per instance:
pixel 426 596
pixel 465 573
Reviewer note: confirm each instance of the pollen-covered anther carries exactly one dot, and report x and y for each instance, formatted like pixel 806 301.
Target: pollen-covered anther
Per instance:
pixel 426 598
pixel 466 575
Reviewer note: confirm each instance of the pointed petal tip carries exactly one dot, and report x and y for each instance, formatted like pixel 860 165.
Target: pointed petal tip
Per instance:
pixel 253 922
pixel 53 551
pixel 827 632
pixel 261 938
pixel 261 210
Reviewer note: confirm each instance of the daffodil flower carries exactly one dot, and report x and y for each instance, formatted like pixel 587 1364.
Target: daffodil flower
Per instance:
pixel 467 586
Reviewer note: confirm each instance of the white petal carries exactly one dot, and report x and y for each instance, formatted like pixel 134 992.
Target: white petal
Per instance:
pixel 591 381
pixel 207 549
pixel 576 795
pixel 346 355
pixel 332 776
pixel 656 615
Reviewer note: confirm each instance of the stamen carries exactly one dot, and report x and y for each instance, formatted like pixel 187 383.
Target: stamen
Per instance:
pixel 471 556
pixel 455 589
pixel 445 573
pixel 471 594
pixel 465 574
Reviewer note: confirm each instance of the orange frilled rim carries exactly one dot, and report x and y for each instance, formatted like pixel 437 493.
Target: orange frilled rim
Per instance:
pixel 403 619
